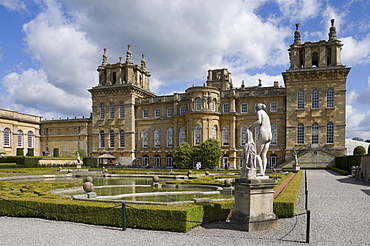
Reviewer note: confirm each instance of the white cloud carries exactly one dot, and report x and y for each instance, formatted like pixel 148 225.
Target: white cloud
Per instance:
pixel 356 52
pixel 298 10
pixel 363 97
pixel 17 5
pixel 32 89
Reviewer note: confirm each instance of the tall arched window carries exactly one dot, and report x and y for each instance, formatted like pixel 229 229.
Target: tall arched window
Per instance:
pixel 145 138
pixel 121 110
pixel 274 135
pixel 145 161
pixel 315 133
pixel 169 138
pixel 214 132
pixel 243 135
pixel 30 139
pixel 169 161
pixel 181 135
pixel 197 135
pixel 6 137
pixel 213 106
pixel 122 139
pixel 300 133
pixel 157 138
pixel 273 161
pixel 111 110
pixel 198 104
pixel 157 161
pixel 330 133
pixel 300 99
pixel 102 139
pixel 225 135
pixel 20 139
pixel 102 111
pixel 111 139
pixel 330 98
pixel 315 99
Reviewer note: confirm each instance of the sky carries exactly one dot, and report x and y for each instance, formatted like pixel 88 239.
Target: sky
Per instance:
pixel 50 49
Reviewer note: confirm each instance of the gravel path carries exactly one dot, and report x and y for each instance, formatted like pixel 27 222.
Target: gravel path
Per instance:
pixel 340 215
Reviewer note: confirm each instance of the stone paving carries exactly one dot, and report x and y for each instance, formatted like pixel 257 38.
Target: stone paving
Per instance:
pixel 340 215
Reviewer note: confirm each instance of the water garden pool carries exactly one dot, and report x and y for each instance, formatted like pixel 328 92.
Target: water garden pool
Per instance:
pixel 134 189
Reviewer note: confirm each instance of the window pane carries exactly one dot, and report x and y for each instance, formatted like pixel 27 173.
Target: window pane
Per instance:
pixel 274 135
pixel 102 139
pixel 315 99
pixel 197 135
pixel 30 139
pixel 157 142
pixel 300 134
pixel 111 110
pixel 330 98
pixel 169 137
pixel 102 111
pixel 181 135
pixel 300 99
pixel 182 110
pixel 330 133
pixel 122 110
pixel 226 108
pixel 225 135
pixel 273 107
pixel 244 108
pixel 145 138
pixel 122 139
pixel 20 139
pixel 315 133
pixel 198 104
pixel 169 112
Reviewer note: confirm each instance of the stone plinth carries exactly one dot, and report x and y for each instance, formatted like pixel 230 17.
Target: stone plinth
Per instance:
pixel 254 205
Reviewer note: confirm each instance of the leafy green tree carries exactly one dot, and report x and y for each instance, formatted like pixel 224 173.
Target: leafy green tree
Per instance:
pixel 209 153
pixel 359 150
pixel 184 156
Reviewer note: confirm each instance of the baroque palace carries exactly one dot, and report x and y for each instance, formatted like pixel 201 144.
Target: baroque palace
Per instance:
pixel 133 126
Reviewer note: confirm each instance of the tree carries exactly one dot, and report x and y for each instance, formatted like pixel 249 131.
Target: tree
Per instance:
pixel 209 153
pixel 359 150
pixel 184 155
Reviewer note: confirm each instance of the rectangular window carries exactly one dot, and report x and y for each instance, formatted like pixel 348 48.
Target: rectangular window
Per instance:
pixel 244 108
pixel 169 112
pixel 226 107
pixel 157 113
pixel 145 113
pixel 182 110
pixel 273 107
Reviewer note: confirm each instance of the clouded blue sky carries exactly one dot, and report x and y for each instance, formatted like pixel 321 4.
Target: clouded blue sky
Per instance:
pixel 50 49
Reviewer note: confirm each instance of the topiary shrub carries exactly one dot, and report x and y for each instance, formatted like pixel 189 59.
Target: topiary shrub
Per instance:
pixel 359 150
pixel 30 152
pixel 56 152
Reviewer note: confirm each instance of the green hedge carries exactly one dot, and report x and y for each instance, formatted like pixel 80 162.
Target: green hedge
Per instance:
pixel 56 152
pixel 337 170
pixel 19 151
pixel 346 162
pixel 285 202
pixel 156 217
pixel 90 161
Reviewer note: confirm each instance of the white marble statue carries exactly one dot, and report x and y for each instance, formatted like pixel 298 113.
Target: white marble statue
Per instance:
pixel 249 157
pixel 78 157
pixel 264 136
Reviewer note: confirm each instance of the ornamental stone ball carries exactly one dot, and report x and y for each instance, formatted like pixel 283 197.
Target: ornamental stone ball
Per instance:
pixel 228 183
pixel 189 172
pixel 88 187
pixel 206 173
pixel 155 178
pixel 89 179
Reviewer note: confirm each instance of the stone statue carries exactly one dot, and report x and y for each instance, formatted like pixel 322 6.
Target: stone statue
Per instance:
pixel 78 157
pixel 295 157
pixel 264 136
pixel 249 158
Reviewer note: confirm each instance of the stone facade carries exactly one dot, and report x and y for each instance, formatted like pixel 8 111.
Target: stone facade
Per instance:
pixel 139 128
pixel 19 131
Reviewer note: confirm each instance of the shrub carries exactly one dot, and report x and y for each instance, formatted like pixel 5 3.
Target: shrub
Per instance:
pixel 184 156
pixel 359 150
pixel 209 153
pixel 285 202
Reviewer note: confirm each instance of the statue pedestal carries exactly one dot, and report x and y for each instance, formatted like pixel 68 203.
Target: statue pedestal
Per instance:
pixel 254 205
pixel 296 167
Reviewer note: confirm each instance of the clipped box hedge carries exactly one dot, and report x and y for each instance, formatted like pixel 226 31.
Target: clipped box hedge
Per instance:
pixel 155 217
pixel 285 202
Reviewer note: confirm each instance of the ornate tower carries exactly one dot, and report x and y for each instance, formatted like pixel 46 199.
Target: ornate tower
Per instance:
pixel 113 106
pixel 316 99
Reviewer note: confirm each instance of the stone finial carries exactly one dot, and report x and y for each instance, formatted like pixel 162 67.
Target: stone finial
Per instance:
pixel 143 61
pixel 259 82
pixel 332 31
pixel 120 59
pixel 297 34
pixel 129 55
pixel 105 57
pixel 243 85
